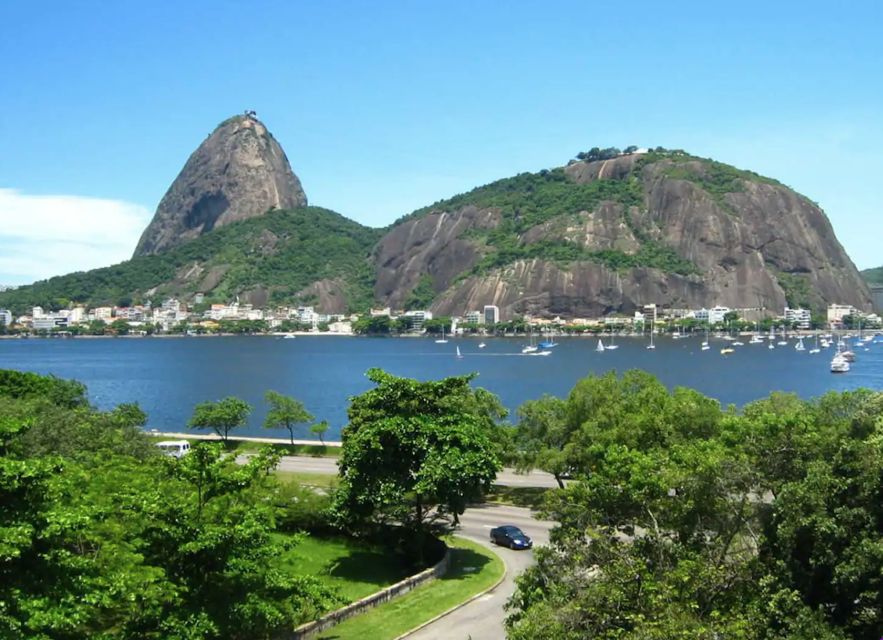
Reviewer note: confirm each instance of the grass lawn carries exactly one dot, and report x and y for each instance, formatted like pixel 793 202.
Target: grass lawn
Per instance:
pixel 323 481
pixel 473 569
pixel 531 497
pixel 355 570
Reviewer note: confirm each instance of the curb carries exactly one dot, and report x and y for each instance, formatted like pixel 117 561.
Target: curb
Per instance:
pixel 462 604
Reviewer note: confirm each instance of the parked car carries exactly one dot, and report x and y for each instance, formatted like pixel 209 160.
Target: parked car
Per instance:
pixel 510 536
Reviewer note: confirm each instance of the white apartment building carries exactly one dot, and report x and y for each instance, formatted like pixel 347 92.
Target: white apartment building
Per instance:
pixel 491 314
pixel 474 317
pixel 5 317
pixel 801 317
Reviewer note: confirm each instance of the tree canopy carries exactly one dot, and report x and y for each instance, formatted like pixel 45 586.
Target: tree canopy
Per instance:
pixel 414 452
pixel 222 416
pixel 689 521
pixel 103 537
pixel 285 413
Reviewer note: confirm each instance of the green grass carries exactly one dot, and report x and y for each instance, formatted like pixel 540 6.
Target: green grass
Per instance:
pixel 474 568
pixel 354 569
pixel 324 481
pixel 531 497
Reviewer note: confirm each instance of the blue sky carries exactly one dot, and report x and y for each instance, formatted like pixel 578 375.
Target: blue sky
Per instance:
pixel 384 107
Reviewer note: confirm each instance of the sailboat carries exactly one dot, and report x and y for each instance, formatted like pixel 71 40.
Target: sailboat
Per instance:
pixel 481 345
pixel 459 355
pixel 651 345
pixel 816 348
pixel 613 344
pixel 600 346
pixel 530 348
pixel 799 346
pixel 705 346
pixel 442 339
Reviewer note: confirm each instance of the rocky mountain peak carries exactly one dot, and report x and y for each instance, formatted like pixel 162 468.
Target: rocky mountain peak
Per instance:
pixel 238 172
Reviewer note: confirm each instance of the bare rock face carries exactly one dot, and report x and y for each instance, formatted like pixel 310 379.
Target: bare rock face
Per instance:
pixel 238 172
pixel 748 239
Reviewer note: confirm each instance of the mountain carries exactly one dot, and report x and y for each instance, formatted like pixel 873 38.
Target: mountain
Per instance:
pixel 307 255
pixel 611 235
pixel 238 172
pixel 873 276
pixel 597 236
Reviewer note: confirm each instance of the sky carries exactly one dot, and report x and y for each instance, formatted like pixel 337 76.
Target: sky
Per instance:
pixel 383 107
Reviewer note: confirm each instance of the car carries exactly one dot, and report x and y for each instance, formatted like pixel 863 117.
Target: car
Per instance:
pixel 510 536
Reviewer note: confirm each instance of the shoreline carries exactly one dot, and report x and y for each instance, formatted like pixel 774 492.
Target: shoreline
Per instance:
pixel 309 334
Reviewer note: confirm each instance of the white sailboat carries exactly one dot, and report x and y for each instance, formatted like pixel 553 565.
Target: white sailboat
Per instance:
pixel 530 348
pixel 799 346
pixel 816 348
pixel 459 355
pixel 481 345
pixel 442 340
pixel 651 346
pixel 600 346
pixel 612 344
pixel 705 346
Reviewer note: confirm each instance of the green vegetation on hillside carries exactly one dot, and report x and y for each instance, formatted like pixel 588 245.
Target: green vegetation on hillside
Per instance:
pixel 531 199
pixel 873 276
pixel 282 251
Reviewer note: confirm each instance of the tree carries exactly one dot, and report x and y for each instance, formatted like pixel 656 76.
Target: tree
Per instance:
pixel 320 429
pixel 222 416
pixel 542 436
pixel 285 412
pixel 413 452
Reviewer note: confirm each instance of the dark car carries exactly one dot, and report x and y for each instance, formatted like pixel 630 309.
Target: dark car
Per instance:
pixel 512 537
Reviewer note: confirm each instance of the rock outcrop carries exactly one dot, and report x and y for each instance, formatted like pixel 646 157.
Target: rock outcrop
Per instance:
pixel 752 243
pixel 238 172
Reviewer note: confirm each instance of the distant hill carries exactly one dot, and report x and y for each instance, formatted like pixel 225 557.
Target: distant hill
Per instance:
pixel 607 233
pixel 873 276
pixel 307 256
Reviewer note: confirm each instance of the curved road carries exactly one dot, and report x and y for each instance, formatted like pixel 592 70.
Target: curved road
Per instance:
pixel 483 617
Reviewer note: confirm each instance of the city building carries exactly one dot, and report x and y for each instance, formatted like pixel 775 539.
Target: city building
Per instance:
pixel 836 312
pixel 5 317
pixel 491 314
pixel 649 313
pixel 801 317
pixel 50 322
pixel 474 317
pixel 418 317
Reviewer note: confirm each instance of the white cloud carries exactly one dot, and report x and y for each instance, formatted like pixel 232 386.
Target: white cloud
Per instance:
pixel 44 236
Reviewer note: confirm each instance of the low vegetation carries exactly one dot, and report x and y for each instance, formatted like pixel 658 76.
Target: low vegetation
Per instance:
pixel 873 276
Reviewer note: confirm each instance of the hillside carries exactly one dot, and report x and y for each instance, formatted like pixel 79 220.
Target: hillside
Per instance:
pixel 873 276
pixel 308 256
pixel 611 235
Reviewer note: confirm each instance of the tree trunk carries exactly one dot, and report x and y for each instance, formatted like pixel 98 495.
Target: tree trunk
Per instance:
pixel 559 480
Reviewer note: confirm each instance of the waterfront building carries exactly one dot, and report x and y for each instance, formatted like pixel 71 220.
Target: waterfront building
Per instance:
pixel 836 312
pixel 491 314
pixel 474 317
pixel 801 317
pixel 77 315
pixel 102 313
pixel 648 312
pixel 37 312
pixel 50 322
pixel 418 317
pixel 5 317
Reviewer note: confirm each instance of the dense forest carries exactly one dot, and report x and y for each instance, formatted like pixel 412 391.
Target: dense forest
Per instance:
pixel 687 520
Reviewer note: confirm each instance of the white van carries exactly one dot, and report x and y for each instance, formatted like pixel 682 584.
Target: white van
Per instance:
pixel 174 448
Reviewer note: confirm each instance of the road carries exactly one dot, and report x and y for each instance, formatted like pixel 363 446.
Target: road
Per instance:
pixel 507 477
pixel 483 617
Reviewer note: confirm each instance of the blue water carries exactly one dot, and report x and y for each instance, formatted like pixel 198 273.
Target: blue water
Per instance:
pixel 168 376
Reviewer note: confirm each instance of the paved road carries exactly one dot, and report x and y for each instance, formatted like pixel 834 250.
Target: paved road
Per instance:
pixel 483 618
pixel 508 477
